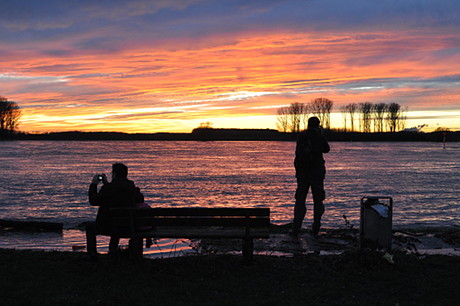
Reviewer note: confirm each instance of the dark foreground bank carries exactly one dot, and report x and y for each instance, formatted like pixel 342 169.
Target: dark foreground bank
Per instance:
pixel 353 278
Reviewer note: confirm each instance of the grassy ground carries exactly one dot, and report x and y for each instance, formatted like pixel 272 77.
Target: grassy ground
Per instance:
pixel 353 278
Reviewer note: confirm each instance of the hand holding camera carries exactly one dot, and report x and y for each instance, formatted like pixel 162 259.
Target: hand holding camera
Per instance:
pixel 99 178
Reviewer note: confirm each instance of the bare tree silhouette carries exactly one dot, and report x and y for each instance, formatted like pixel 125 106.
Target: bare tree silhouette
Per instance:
pixel 366 116
pixel 322 107
pixel 290 118
pixel 282 121
pixel 378 111
pixel 10 114
pixel 352 108
pixel 396 118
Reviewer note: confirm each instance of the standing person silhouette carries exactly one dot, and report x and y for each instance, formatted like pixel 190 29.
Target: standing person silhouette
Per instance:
pixel 310 172
pixel 120 192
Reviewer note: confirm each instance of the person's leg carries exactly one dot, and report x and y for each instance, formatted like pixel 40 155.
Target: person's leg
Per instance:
pixel 113 244
pixel 300 208
pixel 91 243
pixel 148 242
pixel 135 248
pixel 317 189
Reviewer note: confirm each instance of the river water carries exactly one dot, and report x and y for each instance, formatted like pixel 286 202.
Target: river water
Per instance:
pixel 48 181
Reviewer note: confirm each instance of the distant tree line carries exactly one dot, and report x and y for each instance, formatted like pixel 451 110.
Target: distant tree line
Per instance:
pixel 365 117
pixel 293 118
pixel 380 117
pixel 10 114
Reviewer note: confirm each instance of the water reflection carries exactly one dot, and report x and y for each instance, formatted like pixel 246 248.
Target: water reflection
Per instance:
pixel 48 180
pixel 75 241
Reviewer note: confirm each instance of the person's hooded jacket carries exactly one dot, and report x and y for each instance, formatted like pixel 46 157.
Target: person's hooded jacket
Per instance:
pixel 118 193
pixel 309 161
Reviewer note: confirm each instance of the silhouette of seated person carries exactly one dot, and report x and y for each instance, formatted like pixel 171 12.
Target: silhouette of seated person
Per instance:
pixel 120 192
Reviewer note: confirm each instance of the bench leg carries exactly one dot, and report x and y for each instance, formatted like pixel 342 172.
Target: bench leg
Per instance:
pixel 135 248
pixel 248 249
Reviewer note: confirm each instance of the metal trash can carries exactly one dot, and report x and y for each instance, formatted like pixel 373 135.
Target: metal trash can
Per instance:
pixel 376 222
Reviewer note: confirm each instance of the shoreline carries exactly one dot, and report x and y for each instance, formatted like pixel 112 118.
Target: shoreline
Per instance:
pixel 421 240
pixel 210 134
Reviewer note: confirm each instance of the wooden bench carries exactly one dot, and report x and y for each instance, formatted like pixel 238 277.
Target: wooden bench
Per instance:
pixel 241 223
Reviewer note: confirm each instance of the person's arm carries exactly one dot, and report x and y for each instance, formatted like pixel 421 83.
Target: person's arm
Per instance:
pixel 139 196
pixel 326 147
pixel 298 147
pixel 93 195
pixel 319 143
pixel 298 152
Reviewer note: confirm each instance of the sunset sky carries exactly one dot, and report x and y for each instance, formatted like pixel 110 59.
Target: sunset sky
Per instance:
pixel 167 66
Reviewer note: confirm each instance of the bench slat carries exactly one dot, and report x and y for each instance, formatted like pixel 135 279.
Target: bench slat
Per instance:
pixel 191 222
pixel 156 221
pixel 200 232
pixel 198 211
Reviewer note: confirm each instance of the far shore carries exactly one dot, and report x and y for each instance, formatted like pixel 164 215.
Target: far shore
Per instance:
pixel 211 134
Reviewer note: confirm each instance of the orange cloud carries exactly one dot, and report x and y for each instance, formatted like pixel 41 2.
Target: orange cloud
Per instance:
pixel 147 89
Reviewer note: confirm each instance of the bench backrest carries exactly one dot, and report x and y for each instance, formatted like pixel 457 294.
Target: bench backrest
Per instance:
pixel 136 218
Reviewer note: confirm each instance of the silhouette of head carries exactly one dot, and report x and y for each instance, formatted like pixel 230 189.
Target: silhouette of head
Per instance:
pixel 119 170
pixel 313 123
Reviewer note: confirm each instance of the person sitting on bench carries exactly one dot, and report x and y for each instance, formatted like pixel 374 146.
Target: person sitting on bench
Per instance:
pixel 120 192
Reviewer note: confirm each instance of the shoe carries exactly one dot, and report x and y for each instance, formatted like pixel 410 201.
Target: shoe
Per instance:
pixel 323 209
pixel 148 242
pixel 315 228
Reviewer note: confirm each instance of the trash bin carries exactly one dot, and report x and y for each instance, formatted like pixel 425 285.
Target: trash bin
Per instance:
pixel 376 222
